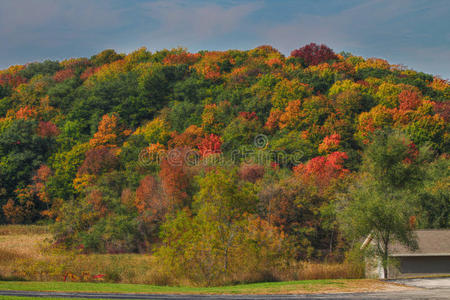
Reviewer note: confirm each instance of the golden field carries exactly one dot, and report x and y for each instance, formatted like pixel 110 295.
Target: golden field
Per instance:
pixel 26 253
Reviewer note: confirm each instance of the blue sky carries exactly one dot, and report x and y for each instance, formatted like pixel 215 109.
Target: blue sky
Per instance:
pixel 415 33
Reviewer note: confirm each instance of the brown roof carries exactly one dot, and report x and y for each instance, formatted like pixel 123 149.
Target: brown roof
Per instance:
pixel 431 242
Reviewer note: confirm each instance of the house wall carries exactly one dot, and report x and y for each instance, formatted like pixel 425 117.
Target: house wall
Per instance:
pixel 374 268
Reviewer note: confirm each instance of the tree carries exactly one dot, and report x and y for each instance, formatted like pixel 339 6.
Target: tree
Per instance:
pixel 190 138
pixel 383 198
pixel 434 203
pixel 22 151
pixel 110 132
pixel 251 172
pixel 47 129
pixel 313 54
pixel 155 131
pixel 99 160
pixel 105 57
pixel 241 131
pixel 152 206
pixel 330 143
pixel 222 238
pixel 174 179
pixel 322 170
pixel 210 144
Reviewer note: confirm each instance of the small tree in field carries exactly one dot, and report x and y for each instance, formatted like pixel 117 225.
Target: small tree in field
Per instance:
pixel 221 238
pixel 383 198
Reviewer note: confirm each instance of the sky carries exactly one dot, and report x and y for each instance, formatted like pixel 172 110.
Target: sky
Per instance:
pixel 414 33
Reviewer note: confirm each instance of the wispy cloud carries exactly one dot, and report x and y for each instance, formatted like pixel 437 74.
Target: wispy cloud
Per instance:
pixel 188 22
pixel 49 27
pixel 364 25
pixel 397 30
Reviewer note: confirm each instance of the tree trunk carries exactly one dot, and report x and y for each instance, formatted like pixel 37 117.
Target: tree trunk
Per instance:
pixel 386 257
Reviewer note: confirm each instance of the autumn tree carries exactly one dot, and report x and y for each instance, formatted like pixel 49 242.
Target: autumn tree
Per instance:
pixel 109 133
pixel 251 172
pixel 210 144
pixel 22 152
pixel 313 54
pixel 175 179
pixel 210 246
pixel 384 197
pixel 152 206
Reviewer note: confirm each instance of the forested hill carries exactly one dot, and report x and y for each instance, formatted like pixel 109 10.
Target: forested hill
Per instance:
pixel 107 147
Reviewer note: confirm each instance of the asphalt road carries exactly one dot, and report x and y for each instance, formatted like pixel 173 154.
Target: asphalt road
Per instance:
pixel 436 288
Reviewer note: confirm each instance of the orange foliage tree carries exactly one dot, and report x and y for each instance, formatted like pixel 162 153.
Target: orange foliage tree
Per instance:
pixel 109 133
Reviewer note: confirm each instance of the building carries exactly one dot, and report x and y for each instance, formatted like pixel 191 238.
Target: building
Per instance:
pixel 432 257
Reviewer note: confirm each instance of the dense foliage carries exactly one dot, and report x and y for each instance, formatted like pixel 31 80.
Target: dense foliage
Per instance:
pixel 209 158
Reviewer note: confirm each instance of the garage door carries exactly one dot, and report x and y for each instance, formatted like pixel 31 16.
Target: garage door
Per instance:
pixel 425 264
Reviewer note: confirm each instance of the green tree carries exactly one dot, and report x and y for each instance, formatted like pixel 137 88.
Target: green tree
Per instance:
pixel 435 197
pixel 384 197
pixel 22 151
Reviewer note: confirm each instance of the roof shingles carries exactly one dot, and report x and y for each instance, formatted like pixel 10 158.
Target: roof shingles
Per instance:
pixel 431 242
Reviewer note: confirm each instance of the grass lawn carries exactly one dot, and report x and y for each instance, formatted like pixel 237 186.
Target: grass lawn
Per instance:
pixel 287 287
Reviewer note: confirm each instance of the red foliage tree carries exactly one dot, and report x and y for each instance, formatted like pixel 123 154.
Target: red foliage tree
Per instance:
pixel 47 129
pixel 248 115
pixel 174 179
pixel 43 174
pixel 409 100
pixel 62 75
pixel 12 80
pixel 210 145
pixel 99 160
pixel 322 170
pixel 26 113
pixel 412 155
pixel 314 54
pixel 151 205
pixel 181 58
pixel 330 143
pixel 89 72
pixel 443 109
pixel 251 172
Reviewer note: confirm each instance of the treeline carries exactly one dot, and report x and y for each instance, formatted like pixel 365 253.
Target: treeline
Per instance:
pixel 213 158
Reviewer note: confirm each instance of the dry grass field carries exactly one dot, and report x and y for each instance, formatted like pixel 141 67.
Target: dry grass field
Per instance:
pixel 26 253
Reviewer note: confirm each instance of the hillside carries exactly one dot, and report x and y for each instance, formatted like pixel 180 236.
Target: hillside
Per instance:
pixel 217 156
